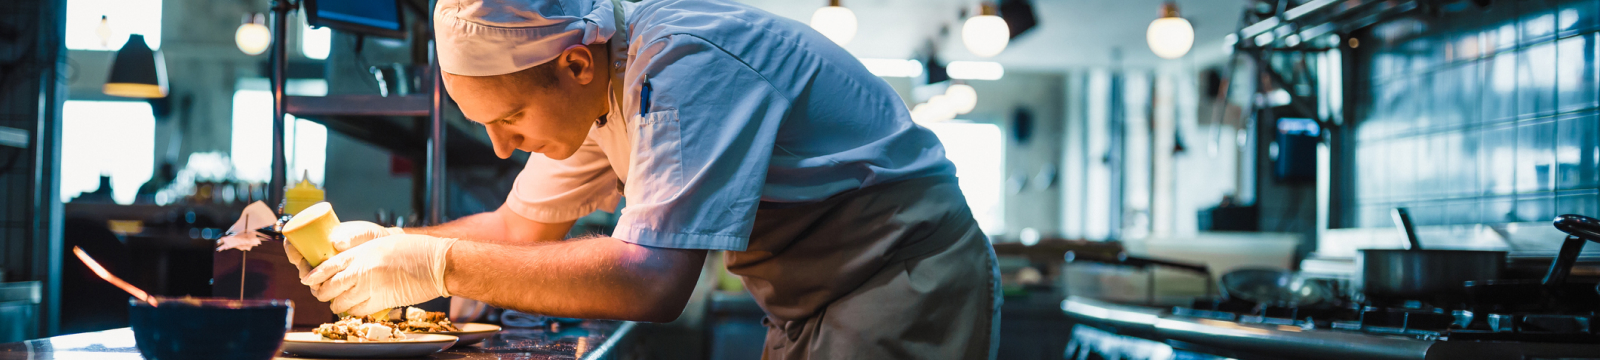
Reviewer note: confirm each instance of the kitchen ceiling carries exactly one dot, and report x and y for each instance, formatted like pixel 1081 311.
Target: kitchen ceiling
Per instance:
pixel 1071 33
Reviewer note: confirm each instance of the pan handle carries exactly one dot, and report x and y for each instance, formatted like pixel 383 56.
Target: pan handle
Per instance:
pixel 1581 230
pixel 1140 262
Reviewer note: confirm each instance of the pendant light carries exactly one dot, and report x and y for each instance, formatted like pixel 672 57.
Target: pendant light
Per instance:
pixel 104 32
pixel 137 71
pixel 836 22
pixel 962 98
pixel 985 35
pixel 253 37
pixel 1171 36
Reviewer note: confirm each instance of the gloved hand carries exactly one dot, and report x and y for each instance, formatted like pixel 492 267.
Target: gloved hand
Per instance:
pixel 389 272
pixel 344 236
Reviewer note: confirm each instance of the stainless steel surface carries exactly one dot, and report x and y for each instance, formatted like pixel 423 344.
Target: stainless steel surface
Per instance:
pixel 1269 340
pixel 591 340
pixel 1431 276
pixel 1276 287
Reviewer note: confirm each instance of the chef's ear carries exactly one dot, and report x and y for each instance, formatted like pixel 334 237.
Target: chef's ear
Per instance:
pixel 578 62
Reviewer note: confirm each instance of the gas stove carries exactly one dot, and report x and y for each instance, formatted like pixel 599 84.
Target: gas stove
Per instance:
pixel 1238 329
pixel 1411 319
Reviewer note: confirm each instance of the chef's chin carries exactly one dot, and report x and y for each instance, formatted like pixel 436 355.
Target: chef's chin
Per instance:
pixel 555 152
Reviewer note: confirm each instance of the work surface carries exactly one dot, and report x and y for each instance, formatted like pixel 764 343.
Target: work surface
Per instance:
pixel 589 340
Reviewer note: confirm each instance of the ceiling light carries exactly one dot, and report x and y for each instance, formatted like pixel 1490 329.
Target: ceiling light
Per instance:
pixel 137 71
pixel 985 35
pixel 893 67
pixel 253 37
pixel 836 22
pixel 104 32
pixel 975 70
pixel 962 98
pixel 1171 36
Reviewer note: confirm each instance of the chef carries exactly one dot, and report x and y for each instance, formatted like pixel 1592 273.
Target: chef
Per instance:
pixel 725 128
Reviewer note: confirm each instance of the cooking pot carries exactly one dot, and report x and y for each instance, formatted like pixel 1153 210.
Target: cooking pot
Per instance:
pixel 1437 277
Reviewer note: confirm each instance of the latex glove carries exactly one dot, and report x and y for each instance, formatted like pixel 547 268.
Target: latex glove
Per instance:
pixel 389 272
pixel 344 236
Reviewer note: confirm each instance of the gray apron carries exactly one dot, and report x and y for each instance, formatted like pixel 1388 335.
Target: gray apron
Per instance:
pixel 891 271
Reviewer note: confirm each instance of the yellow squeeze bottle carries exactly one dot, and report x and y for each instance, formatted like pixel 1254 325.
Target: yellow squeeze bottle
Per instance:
pixel 309 230
pixel 301 195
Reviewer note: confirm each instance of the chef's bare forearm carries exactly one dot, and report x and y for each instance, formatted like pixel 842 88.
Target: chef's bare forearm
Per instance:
pixel 594 278
pixel 499 226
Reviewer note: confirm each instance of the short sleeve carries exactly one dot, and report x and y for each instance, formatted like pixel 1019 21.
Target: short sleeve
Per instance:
pixel 555 191
pixel 701 149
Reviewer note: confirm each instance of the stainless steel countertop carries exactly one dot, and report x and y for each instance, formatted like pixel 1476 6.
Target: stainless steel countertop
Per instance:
pixel 1274 340
pixel 602 338
pixel 1293 342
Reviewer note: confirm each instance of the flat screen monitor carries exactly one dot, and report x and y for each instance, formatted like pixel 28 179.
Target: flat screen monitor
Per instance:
pixel 370 17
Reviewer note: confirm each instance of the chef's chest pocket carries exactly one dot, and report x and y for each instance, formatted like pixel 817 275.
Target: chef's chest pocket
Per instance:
pixel 658 153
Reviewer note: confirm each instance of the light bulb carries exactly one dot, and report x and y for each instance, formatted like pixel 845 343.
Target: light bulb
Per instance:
pixel 836 22
pixel 939 109
pixel 1170 37
pixel 104 32
pixel 985 35
pixel 962 98
pixel 253 37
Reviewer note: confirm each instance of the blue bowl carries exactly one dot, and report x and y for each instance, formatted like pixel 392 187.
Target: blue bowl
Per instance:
pixel 209 328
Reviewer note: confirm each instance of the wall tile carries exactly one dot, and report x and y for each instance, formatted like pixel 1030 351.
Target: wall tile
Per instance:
pixel 1498 121
pixel 1402 169
pixel 1462 211
pixel 1498 209
pixel 1536 80
pixel 1536 20
pixel 1575 16
pixel 1535 161
pixel 1497 160
pixel 1499 88
pixel 1581 202
pixel 1445 107
pixel 1576 151
pixel 1535 207
pixel 1575 73
pixel 1461 163
pixel 1433 166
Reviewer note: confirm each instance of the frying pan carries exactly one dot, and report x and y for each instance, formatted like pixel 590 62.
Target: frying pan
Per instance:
pixel 1553 292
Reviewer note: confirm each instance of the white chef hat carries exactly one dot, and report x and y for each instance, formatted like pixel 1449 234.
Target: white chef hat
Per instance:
pixel 497 37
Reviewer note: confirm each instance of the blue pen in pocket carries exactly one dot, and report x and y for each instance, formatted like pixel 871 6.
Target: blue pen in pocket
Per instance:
pixel 644 99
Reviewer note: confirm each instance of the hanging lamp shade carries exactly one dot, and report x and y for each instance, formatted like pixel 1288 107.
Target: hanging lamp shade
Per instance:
pixel 137 71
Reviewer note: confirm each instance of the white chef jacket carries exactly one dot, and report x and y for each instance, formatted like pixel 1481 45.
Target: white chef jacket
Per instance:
pixel 745 107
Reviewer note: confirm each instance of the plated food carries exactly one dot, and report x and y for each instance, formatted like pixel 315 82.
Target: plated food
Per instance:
pixel 386 326
pixel 307 344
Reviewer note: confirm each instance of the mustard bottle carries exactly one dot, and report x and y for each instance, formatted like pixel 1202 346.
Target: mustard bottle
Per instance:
pixel 301 195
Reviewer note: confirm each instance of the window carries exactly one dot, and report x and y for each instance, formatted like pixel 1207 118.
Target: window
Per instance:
pixel 305 142
pixel 315 43
pixel 978 150
pixel 123 17
pixel 113 138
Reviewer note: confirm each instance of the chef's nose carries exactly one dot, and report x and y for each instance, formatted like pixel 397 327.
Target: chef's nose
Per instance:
pixel 505 142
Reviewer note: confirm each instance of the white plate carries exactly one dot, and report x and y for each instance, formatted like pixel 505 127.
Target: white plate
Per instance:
pixel 471 333
pixel 415 345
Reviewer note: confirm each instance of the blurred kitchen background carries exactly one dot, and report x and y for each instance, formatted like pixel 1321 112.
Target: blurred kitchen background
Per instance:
pixel 1279 135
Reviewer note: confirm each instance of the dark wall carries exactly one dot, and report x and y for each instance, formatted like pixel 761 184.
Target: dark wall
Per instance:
pixel 1477 115
pixel 31 90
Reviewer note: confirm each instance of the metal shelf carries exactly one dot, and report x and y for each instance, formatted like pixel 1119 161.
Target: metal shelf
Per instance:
pixel 357 105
